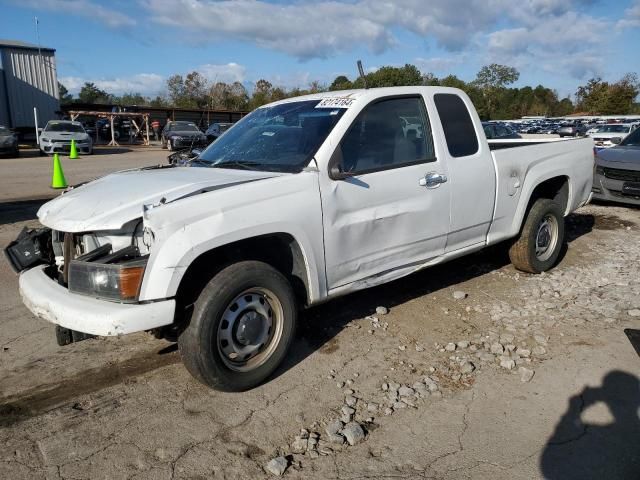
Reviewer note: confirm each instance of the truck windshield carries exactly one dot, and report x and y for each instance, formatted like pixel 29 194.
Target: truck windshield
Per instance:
pixel 281 138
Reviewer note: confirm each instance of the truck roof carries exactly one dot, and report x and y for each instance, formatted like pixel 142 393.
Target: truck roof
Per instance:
pixel 360 93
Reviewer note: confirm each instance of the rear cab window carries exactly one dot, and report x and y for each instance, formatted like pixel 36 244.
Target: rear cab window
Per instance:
pixel 459 131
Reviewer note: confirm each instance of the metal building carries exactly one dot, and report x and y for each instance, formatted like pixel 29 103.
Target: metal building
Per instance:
pixel 28 79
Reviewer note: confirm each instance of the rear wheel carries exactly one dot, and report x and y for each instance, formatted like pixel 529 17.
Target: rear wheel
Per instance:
pixel 241 327
pixel 541 240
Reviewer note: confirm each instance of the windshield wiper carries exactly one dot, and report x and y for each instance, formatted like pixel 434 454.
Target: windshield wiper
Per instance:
pixel 236 164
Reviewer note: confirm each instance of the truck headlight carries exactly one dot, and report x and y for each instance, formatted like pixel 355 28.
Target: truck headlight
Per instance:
pixel 118 282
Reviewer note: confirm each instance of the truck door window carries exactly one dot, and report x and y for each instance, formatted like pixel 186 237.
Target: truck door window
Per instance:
pixel 457 124
pixel 388 134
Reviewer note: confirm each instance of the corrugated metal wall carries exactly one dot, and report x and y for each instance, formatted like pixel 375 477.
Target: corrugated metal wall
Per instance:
pixel 28 82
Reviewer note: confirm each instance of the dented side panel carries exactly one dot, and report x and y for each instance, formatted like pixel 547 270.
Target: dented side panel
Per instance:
pixel 192 226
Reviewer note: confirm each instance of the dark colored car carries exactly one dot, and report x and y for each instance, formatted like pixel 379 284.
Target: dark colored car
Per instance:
pixel 617 171
pixel 573 130
pixel 8 142
pixel 178 135
pixel 215 130
pixel 498 131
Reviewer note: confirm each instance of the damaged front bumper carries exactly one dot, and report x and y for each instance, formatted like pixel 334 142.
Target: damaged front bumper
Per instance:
pixel 46 299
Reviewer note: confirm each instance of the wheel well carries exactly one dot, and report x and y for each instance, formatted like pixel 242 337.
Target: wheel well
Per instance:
pixel 280 250
pixel 556 189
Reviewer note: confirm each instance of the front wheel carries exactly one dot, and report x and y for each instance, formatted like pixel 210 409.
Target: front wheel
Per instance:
pixel 541 239
pixel 241 327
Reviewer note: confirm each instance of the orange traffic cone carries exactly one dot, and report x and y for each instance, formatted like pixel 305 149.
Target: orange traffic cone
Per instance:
pixel 58 180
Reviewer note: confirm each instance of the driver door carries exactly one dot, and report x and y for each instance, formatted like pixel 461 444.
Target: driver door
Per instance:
pixel 391 207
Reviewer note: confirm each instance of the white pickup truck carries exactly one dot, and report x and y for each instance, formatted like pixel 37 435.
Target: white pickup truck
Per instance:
pixel 301 201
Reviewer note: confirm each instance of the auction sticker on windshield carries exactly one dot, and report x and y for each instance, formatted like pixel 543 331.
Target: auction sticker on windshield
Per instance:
pixel 335 102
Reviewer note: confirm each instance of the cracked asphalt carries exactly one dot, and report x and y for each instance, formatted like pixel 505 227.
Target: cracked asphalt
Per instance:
pixel 125 408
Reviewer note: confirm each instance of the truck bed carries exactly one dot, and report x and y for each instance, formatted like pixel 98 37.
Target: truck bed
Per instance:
pixel 522 164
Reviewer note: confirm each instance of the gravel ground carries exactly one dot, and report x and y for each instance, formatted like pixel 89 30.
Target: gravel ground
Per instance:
pixel 465 370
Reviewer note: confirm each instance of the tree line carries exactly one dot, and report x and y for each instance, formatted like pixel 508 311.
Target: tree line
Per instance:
pixel 490 91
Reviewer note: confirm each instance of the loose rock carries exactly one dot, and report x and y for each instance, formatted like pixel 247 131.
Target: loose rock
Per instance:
pixel 526 374
pixel 350 400
pixel 334 427
pixel 538 350
pixel 467 367
pixel 497 348
pixel 459 295
pixel 405 391
pixel 277 466
pixel 353 433
pixel 450 347
pixel 382 310
pixel 634 313
pixel 507 362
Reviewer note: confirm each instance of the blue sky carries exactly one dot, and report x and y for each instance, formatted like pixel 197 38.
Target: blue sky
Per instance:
pixel 134 45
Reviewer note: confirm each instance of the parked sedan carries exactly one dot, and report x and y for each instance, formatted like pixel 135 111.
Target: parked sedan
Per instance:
pixel 617 171
pixel 8 142
pixel 215 130
pixel 497 131
pixel 57 135
pixel 177 135
pixel 575 130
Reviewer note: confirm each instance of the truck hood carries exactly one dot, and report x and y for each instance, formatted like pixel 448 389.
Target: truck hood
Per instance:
pixel 113 200
pixel 609 134
pixel 629 156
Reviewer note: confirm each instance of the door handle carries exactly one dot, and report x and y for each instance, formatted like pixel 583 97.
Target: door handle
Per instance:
pixel 432 180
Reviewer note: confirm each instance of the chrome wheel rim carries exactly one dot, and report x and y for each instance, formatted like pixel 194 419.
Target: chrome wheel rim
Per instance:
pixel 250 329
pixel 546 237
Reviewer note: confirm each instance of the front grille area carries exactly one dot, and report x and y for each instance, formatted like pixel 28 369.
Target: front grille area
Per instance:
pixel 624 175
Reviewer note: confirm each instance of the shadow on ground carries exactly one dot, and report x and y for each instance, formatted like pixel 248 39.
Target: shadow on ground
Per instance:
pixel 20 211
pixel 583 451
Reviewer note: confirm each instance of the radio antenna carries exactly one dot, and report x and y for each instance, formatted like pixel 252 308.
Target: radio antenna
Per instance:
pixel 362 76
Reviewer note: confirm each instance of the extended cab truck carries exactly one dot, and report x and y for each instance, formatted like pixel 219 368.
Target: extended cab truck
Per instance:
pixel 303 200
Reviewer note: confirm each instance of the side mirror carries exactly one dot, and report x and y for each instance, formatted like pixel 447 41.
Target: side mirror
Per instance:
pixel 335 166
pixel 616 140
pixel 336 173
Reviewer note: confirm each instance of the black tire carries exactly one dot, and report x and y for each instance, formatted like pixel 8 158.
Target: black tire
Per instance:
pixel 202 341
pixel 64 336
pixel 523 253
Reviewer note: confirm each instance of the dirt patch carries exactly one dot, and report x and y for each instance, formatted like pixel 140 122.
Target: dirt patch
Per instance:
pixel 611 222
pixel 43 398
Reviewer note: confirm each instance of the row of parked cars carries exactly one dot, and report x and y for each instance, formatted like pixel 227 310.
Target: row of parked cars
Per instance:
pixel 180 135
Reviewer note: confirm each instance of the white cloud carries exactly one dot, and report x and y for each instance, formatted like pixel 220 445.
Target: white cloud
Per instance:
pixel 440 65
pixel 144 83
pixel 321 29
pixel 228 73
pixel 84 8
pixel 568 41
pixel 152 84
pixel 631 18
